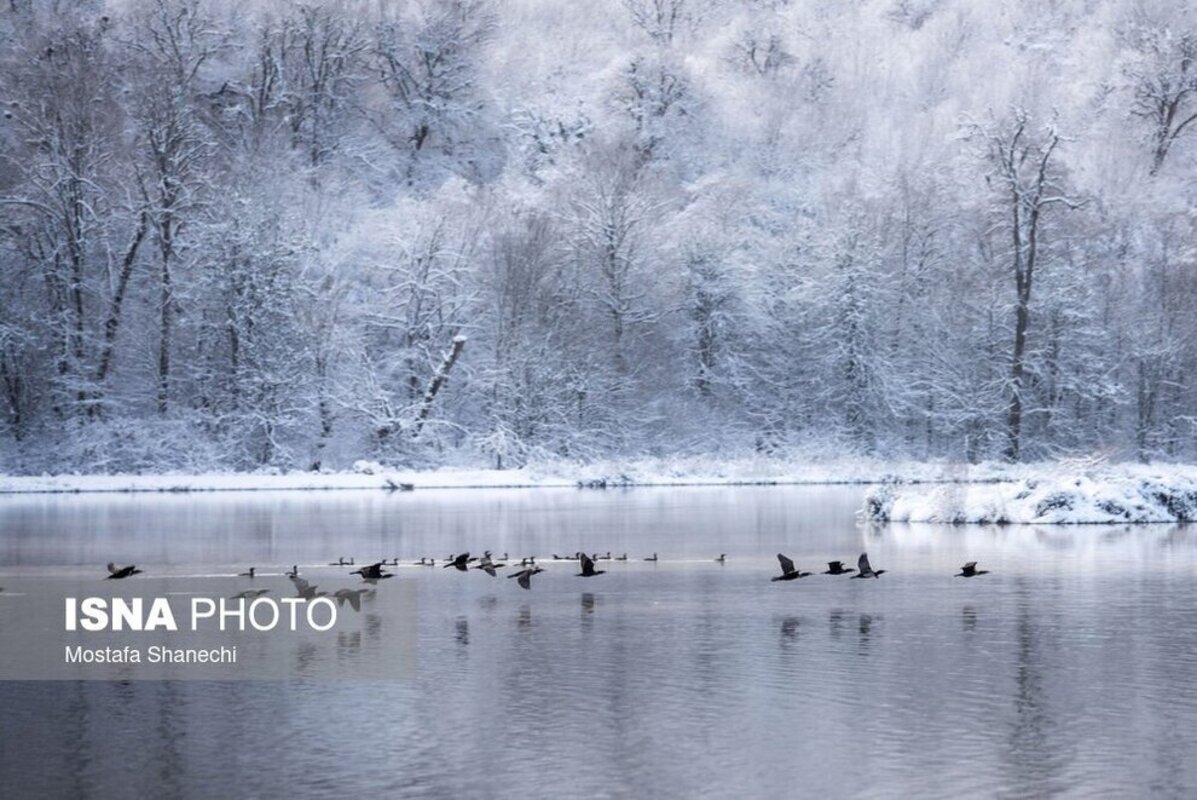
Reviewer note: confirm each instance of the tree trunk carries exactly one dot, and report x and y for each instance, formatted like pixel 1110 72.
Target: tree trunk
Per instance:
pixel 112 324
pixel 438 381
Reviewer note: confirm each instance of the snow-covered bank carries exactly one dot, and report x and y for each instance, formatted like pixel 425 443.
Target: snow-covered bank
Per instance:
pixel 643 472
pixel 1060 494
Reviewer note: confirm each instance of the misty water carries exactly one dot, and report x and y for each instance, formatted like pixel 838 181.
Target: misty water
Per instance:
pixel 1067 670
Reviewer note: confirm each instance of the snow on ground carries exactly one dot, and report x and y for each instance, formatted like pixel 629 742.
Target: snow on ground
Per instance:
pixel 1063 493
pixel 644 472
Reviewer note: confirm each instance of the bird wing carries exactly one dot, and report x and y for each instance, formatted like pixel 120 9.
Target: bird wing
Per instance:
pixel 525 580
pixel 787 566
pixel 587 565
pixel 300 583
pixel 112 568
pixel 969 567
pixel 835 566
pixel 862 563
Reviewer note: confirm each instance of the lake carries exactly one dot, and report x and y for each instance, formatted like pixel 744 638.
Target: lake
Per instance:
pixel 1068 670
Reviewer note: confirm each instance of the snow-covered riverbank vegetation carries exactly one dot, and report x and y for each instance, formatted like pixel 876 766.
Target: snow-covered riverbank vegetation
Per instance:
pixel 754 471
pixel 1048 495
pixel 238 236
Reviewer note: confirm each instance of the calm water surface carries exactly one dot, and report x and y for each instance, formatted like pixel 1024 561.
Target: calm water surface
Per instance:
pixel 1071 670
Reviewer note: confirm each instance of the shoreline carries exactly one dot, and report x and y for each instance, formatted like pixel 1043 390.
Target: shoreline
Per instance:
pixel 650 473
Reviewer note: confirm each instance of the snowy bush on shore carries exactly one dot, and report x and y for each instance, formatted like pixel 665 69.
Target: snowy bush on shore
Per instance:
pixel 1112 495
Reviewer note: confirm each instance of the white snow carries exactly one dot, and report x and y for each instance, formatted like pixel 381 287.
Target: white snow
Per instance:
pixel 678 471
pixel 1049 494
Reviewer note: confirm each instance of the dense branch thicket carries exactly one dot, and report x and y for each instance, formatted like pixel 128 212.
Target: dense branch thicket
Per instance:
pixel 293 235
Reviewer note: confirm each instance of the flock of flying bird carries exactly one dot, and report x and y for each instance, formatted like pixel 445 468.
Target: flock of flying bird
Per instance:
pixel 527 567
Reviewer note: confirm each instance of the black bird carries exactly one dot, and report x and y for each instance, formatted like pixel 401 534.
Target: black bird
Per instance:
pixel 970 570
pixel 373 572
pixel 249 574
pixel 524 576
pixel 722 558
pixel 653 558
pixel 788 572
pixel 624 557
pixel 588 570
pixel 837 568
pixel 294 573
pixel 460 562
pixel 116 573
pixel 866 571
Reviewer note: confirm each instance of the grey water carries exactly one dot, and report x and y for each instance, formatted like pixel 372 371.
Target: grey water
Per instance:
pixel 1069 670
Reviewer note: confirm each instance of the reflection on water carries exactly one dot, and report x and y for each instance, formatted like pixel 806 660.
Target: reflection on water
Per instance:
pixel 968 615
pixel 1067 669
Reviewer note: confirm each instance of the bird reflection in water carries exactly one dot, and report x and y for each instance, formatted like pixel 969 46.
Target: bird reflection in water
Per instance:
pixel 306 590
pixel 463 630
pixel 865 627
pixel 305 658
pixel 836 621
pixel 789 628
pixel 351 596
pixel 968 616
pixel 348 642
pixel 373 625
pixel 587 608
pixel 523 619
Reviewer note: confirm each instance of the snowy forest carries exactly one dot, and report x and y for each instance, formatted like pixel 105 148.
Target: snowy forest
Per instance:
pixel 292 235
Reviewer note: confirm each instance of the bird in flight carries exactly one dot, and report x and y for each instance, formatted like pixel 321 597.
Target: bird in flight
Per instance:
pixel 487 565
pixel 115 573
pixel 459 562
pixel 970 570
pixel 588 570
pixel 372 572
pixel 837 568
pixel 788 571
pixel 524 576
pixel 866 570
